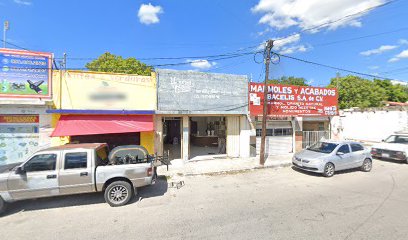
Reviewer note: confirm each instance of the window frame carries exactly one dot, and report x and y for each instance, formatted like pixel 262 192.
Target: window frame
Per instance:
pixel 75 152
pixel 356 144
pixel 39 154
pixel 348 146
pixel 273 132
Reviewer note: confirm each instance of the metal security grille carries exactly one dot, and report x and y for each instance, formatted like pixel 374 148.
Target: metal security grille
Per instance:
pixel 312 137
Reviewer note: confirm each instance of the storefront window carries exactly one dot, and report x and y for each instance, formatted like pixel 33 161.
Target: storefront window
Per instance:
pixel 275 132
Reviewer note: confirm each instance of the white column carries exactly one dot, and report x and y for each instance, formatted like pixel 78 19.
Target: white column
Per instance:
pixel 185 149
pixel 233 136
pixel 245 135
pixel 158 135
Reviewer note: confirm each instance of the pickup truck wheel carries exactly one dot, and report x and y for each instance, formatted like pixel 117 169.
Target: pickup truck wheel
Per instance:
pixel 118 193
pixel 2 206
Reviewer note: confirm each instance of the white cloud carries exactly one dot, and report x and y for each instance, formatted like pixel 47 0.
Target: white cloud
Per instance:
pixel 379 50
pixel 281 14
pixel 23 2
pixel 394 59
pixel 294 49
pixel 403 42
pixel 373 67
pixel 149 14
pixel 202 63
pixel 399 56
pixel 261 33
pixel 279 44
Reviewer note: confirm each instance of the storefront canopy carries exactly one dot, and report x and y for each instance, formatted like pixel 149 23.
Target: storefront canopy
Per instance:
pixel 74 125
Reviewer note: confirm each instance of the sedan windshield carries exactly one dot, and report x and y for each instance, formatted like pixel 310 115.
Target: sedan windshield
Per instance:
pixel 323 147
pixel 397 139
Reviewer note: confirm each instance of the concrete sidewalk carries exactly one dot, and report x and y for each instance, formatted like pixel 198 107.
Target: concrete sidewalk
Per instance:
pixel 222 165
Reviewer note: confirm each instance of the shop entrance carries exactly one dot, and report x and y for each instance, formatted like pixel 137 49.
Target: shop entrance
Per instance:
pixel 113 139
pixel 207 136
pixel 172 137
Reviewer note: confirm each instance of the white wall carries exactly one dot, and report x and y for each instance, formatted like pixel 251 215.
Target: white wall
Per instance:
pixel 244 138
pixel 233 136
pixel 368 125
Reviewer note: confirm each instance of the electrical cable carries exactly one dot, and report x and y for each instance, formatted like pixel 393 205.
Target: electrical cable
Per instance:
pixel 332 67
pixel 360 37
pixel 156 65
pixel 14 45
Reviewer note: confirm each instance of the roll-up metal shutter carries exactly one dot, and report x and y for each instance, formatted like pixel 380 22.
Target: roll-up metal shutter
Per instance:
pixel 276 145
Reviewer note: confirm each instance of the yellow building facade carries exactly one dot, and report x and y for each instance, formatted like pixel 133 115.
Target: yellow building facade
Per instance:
pixel 103 107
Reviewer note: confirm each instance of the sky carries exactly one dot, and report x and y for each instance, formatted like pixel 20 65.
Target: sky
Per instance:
pixel 195 28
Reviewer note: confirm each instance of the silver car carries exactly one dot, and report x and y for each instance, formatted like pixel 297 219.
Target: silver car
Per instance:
pixel 329 156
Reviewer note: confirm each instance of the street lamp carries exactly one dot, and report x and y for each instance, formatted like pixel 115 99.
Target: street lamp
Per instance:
pixel 5 28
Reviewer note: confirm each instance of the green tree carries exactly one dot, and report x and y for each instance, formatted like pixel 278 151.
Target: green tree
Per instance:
pixel 108 62
pixel 395 92
pixel 289 81
pixel 358 92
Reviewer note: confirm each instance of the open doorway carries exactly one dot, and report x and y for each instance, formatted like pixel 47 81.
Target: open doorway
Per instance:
pixel 207 136
pixel 172 137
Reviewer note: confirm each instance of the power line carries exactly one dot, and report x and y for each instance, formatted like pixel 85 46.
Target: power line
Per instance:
pixel 395 70
pixel 14 45
pixel 360 37
pixel 176 58
pixel 222 57
pixel 332 67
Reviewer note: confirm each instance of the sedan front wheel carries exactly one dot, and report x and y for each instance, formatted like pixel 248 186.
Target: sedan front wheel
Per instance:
pixel 328 170
pixel 2 206
pixel 367 165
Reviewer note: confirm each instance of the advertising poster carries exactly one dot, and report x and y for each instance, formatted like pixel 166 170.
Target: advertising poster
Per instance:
pixel 296 101
pixel 18 137
pixel 25 74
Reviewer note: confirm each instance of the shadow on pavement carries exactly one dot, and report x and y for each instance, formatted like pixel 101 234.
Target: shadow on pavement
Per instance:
pixel 390 161
pixel 54 202
pixel 320 175
pixel 158 189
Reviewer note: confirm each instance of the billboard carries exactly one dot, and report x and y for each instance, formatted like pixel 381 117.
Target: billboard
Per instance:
pixel 296 101
pixel 183 92
pixel 104 91
pixel 25 74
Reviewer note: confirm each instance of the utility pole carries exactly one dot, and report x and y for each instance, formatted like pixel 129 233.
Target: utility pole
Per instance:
pixel 5 28
pixel 268 48
pixel 63 64
pixel 337 80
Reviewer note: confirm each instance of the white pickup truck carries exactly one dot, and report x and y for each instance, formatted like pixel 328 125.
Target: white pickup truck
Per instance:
pixel 75 169
pixel 395 147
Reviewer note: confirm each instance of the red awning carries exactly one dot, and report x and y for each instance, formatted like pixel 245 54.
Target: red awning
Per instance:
pixel 74 125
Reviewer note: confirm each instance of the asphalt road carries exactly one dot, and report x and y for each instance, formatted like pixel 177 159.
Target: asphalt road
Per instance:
pixel 262 204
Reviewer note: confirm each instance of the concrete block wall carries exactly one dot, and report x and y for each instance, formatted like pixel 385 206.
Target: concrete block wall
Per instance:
pixel 373 125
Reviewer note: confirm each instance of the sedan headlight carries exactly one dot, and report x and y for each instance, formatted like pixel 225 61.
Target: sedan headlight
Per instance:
pixel 296 158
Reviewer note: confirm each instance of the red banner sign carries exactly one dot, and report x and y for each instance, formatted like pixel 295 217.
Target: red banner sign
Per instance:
pixel 288 100
pixel 19 119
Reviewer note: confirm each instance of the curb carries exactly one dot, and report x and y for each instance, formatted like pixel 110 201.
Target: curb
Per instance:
pixel 233 171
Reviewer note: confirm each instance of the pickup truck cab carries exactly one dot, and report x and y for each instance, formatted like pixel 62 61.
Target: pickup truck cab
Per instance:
pixel 74 169
pixel 395 147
